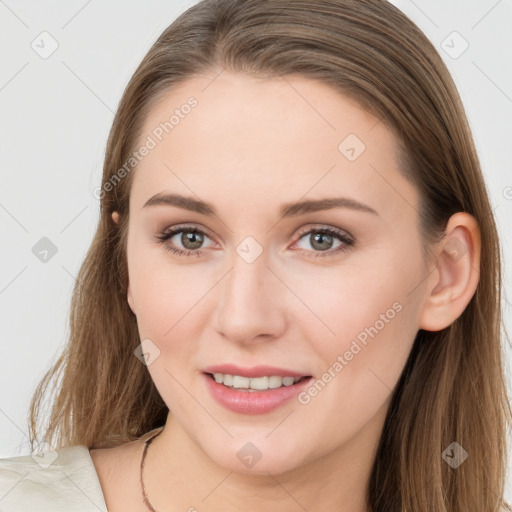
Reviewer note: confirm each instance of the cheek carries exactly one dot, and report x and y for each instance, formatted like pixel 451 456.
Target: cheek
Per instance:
pixel 166 298
pixel 369 322
pixel 159 289
pixel 169 313
pixel 363 320
pixel 362 297
pixel 362 363
pixel 170 301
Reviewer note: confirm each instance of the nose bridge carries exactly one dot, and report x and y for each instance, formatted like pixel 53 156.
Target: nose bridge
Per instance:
pixel 248 283
pixel 248 279
pixel 248 304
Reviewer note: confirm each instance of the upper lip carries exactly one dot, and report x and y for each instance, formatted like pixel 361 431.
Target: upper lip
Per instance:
pixel 254 371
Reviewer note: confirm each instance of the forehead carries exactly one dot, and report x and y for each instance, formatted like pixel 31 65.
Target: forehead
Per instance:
pixel 294 108
pixel 239 135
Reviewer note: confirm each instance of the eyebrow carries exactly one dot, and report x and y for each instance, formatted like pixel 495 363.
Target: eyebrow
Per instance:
pixel 287 210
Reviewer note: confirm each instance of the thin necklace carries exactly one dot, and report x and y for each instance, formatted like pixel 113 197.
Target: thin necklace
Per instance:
pixel 146 499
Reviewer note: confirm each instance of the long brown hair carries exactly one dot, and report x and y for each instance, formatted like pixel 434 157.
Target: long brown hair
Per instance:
pixel 453 386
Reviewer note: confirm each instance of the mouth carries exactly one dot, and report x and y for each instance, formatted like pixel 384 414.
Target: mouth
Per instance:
pixel 252 384
pixel 255 390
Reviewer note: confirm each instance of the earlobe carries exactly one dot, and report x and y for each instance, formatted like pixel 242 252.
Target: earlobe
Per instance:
pixel 115 217
pixel 453 283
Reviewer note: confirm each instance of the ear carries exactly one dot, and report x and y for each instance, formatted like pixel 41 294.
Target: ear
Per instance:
pixel 115 217
pixel 452 284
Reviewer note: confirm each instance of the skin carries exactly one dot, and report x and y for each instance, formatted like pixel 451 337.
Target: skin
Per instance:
pixel 249 146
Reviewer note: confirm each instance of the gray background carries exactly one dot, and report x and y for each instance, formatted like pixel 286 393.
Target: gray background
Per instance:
pixel 56 113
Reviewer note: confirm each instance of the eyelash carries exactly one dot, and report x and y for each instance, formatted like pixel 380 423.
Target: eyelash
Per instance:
pixel 348 243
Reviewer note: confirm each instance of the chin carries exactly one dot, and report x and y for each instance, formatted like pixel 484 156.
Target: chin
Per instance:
pixel 258 458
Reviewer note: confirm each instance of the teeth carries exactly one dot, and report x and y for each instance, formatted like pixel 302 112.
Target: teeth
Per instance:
pixel 241 382
pixel 256 383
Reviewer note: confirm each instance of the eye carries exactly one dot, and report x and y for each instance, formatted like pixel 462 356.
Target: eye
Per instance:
pixel 192 238
pixel 322 239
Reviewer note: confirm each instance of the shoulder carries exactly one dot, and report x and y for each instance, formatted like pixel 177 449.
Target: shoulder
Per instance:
pixel 118 470
pixel 57 481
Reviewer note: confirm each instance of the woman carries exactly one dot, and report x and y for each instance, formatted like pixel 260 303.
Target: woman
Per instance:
pixel 292 301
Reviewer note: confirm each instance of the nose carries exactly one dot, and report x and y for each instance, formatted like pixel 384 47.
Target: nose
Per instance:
pixel 251 303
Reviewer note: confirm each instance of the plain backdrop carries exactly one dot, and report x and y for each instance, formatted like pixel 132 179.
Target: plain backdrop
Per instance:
pixel 56 112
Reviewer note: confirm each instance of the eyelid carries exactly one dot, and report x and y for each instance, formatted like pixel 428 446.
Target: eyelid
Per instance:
pixel 188 227
pixel 320 227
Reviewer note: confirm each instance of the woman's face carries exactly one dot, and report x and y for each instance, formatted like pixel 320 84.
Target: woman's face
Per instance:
pixel 263 283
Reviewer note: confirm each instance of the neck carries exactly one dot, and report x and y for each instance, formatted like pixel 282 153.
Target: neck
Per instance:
pixel 179 475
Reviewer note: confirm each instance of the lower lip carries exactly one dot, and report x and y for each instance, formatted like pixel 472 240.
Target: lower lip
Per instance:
pixel 253 402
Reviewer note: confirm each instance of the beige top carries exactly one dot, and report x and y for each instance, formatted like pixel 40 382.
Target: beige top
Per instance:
pixel 56 481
